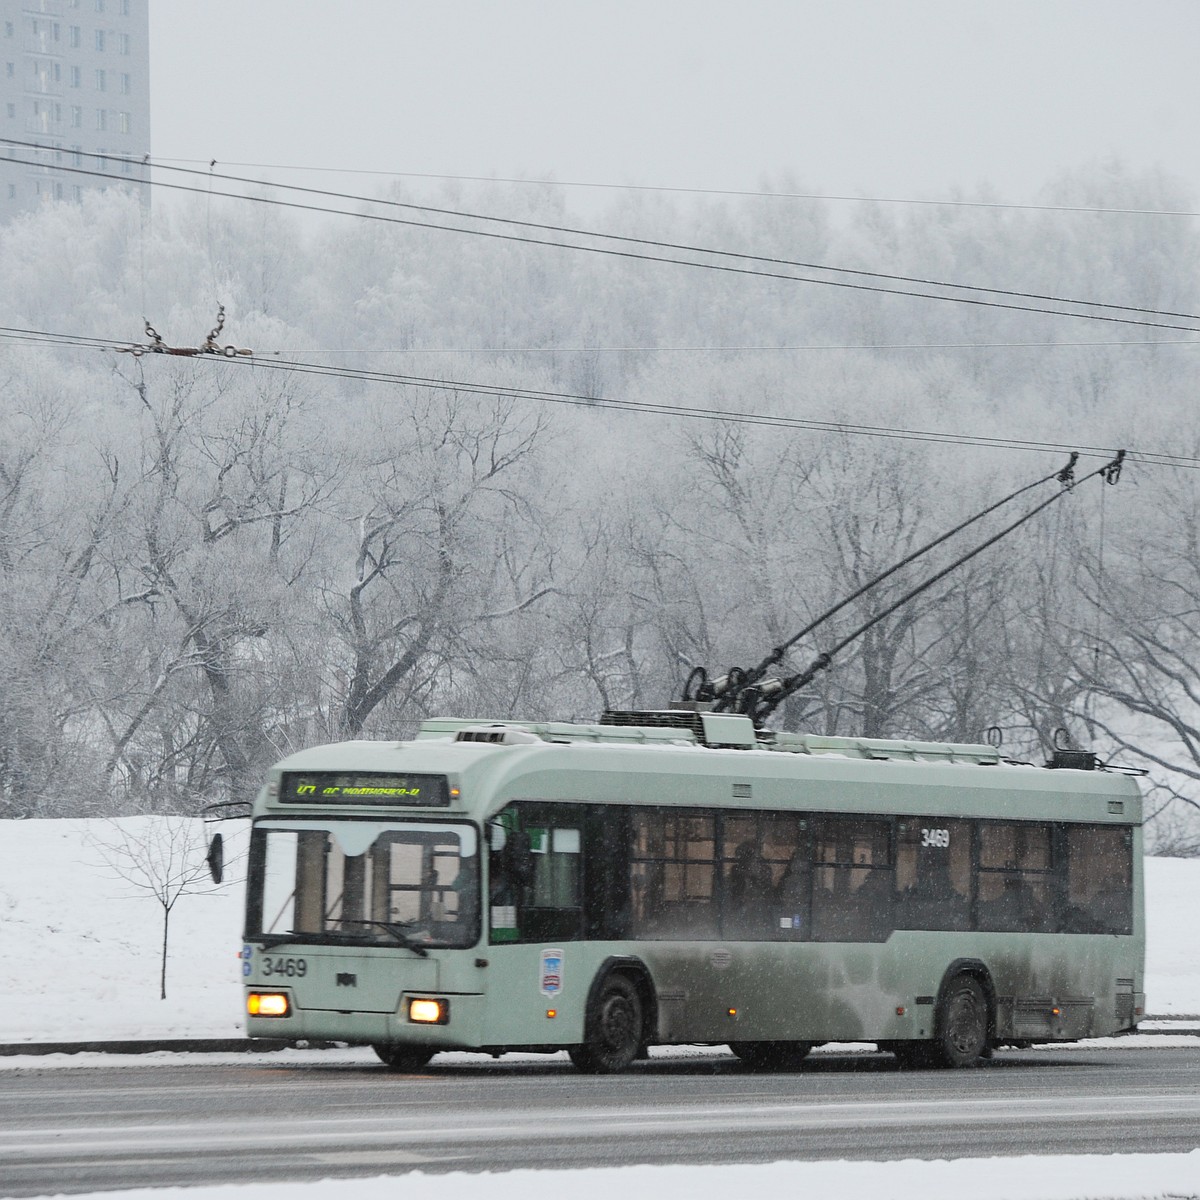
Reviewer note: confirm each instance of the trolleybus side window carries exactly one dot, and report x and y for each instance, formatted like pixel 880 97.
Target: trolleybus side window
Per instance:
pixel 672 875
pixel 933 873
pixel 853 879
pixel 1099 879
pixel 606 876
pixel 762 898
pixel 536 873
pixel 1015 882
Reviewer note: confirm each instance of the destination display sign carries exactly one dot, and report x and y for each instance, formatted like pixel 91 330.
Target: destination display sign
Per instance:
pixel 364 787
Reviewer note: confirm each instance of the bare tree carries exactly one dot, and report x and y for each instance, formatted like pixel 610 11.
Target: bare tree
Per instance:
pixel 229 475
pixel 160 857
pixel 441 489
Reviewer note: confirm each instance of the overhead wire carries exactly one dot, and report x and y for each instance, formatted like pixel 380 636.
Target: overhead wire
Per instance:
pixel 748 193
pixel 976 299
pixel 649 408
pixel 593 401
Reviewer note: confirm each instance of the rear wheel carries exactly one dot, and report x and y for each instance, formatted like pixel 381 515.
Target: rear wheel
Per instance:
pixel 614 1029
pixel 771 1056
pixel 403 1058
pixel 961 1031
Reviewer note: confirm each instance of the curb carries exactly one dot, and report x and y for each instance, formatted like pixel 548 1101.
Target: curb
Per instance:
pixel 1163 1026
pixel 180 1045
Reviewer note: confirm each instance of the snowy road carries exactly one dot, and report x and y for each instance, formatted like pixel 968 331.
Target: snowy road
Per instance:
pixel 85 1130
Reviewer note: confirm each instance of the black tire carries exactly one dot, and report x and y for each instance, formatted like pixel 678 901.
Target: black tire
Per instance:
pixel 961 1028
pixel 403 1058
pixel 771 1056
pixel 614 1033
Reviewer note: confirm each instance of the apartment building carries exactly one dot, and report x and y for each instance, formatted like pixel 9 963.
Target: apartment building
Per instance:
pixel 74 82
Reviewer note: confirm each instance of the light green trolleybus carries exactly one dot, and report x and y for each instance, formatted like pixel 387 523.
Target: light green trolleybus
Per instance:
pixel 679 877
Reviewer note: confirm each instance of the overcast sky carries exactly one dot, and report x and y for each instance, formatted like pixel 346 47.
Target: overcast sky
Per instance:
pixel 880 97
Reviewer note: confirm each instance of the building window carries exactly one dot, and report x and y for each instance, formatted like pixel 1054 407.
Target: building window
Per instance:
pixel 58 72
pixel 124 8
pixel 8 29
pixel 100 39
pixel 12 110
pixel 77 192
pixel 76 117
pixel 10 70
pixel 99 5
pixel 124 83
pixel 102 119
pixel 12 191
pixel 101 81
pixel 76 77
pixel 74 37
pixel 125 43
pixel 124 122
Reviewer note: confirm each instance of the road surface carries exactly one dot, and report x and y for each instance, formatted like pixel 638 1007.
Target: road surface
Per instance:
pixel 193 1122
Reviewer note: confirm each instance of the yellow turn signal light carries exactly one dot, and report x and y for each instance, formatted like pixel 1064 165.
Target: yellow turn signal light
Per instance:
pixel 429 1012
pixel 268 1004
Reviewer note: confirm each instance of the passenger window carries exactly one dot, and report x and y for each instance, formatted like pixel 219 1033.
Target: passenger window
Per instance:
pixel 672 875
pixel 555 858
pixel 933 874
pixel 1015 883
pixel 1099 880
pixel 853 890
pixel 765 877
pixel 535 874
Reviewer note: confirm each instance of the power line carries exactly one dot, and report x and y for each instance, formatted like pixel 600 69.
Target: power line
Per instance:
pixel 800 265
pixel 644 407
pixel 654 408
pixel 813 347
pixel 974 300
pixel 748 193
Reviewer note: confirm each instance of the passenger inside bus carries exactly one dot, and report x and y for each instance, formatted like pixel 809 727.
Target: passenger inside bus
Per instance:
pixel 932 901
pixel 749 894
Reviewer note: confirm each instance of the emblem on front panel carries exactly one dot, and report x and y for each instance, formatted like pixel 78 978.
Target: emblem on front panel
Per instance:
pixel 552 972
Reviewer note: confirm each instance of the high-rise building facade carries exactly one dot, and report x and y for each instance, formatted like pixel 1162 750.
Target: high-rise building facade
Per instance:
pixel 74 81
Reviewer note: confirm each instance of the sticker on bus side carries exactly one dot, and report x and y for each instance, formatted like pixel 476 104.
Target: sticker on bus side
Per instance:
pixel 552 972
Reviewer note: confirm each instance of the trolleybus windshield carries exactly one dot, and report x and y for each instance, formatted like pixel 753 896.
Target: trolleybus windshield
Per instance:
pixel 366 882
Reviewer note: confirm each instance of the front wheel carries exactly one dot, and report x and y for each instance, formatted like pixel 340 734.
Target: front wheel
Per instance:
pixel 961 1031
pixel 403 1058
pixel 613 1036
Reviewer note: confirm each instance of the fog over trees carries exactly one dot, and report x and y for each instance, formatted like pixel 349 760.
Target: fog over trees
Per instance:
pixel 208 562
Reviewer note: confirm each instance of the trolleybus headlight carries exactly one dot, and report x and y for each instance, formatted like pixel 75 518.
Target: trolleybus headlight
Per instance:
pixel 429 1012
pixel 268 1004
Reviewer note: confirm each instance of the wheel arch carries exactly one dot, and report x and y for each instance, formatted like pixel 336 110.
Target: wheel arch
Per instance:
pixel 638 973
pixel 978 970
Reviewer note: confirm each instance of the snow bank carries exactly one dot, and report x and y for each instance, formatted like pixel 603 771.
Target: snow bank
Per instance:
pixel 1068 1177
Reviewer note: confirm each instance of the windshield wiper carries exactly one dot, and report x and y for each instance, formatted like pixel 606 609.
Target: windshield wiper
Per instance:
pixel 397 930
pixel 269 941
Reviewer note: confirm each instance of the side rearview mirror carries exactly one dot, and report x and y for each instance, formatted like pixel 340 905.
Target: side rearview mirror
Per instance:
pixel 216 858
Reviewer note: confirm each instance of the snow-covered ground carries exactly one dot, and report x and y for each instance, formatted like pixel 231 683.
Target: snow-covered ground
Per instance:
pixel 80 951
pixel 1096 1177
